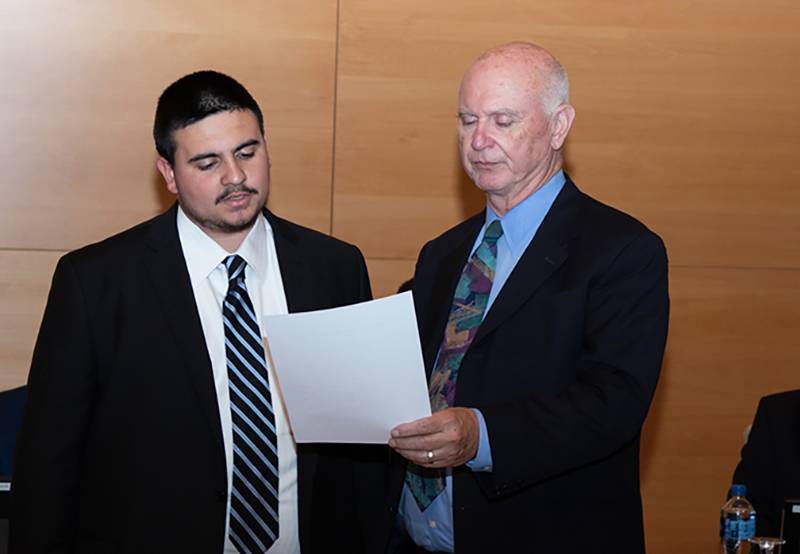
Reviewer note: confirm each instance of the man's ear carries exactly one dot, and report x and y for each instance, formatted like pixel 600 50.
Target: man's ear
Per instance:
pixel 561 124
pixel 165 168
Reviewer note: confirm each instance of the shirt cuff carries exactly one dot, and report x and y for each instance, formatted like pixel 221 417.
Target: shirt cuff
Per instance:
pixel 483 458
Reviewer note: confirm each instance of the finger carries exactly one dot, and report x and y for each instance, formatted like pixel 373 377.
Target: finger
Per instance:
pixel 427 458
pixel 419 457
pixel 419 442
pixel 418 427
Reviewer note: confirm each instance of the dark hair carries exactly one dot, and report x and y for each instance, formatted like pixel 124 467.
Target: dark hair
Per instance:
pixel 195 97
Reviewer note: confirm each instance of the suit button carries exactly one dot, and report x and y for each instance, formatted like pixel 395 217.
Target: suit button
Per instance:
pixel 221 496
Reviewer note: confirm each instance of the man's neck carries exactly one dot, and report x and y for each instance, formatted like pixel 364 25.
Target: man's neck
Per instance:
pixel 503 204
pixel 229 241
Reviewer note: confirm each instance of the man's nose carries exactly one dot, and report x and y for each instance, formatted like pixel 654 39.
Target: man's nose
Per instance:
pixel 480 138
pixel 234 174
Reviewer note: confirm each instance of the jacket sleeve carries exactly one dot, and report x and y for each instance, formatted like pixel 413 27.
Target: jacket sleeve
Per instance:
pixel 44 498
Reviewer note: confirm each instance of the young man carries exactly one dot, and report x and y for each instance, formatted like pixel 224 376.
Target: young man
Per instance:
pixel 154 423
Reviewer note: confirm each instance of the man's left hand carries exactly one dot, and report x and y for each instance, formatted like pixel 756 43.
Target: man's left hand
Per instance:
pixel 448 438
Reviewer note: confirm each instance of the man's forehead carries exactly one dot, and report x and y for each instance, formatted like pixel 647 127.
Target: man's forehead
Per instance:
pixel 505 71
pixel 220 130
pixel 497 90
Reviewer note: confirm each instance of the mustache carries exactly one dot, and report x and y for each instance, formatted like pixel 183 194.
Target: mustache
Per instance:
pixel 234 189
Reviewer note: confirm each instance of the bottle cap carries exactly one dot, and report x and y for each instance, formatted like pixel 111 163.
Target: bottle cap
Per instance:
pixel 738 490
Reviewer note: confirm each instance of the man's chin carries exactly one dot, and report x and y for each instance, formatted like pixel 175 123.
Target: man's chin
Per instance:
pixel 235 225
pixel 488 184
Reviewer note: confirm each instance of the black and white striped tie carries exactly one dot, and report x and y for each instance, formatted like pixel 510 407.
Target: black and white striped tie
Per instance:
pixel 254 495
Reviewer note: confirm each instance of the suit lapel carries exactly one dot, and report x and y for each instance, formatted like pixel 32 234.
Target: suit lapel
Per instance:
pixel 544 255
pixel 167 267
pixel 297 278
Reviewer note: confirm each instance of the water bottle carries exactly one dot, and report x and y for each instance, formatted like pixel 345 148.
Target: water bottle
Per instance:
pixel 737 522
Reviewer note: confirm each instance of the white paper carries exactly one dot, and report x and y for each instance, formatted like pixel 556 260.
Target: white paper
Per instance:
pixel 349 374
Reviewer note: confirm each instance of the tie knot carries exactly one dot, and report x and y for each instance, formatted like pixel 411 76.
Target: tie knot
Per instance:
pixel 493 232
pixel 235 265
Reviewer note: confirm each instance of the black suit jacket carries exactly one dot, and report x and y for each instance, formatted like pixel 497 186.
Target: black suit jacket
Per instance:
pixel 121 445
pixel 771 458
pixel 563 368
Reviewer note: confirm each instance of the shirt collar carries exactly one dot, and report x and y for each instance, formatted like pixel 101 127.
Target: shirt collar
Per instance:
pixel 203 254
pixel 521 222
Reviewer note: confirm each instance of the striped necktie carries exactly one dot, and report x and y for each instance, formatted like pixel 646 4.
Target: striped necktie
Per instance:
pixel 466 314
pixel 254 492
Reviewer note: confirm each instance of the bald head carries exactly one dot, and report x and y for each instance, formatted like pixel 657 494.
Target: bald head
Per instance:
pixel 514 117
pixel 537 70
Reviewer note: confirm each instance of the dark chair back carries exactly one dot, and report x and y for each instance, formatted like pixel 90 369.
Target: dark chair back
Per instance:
pixel 12 403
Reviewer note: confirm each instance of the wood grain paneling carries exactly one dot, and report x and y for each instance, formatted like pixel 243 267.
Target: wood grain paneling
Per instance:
pixel 386 276
pixel 688 117
pixel 80 84
pixel 24 283
pixel 732 340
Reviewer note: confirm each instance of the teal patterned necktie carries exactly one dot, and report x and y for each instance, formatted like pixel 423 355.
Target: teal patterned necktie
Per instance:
pixel 466 315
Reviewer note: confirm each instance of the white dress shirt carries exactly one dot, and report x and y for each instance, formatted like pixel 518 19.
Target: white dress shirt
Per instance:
pixel 209 279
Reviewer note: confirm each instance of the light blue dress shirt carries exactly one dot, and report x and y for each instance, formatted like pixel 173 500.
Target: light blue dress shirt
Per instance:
pixel 433 528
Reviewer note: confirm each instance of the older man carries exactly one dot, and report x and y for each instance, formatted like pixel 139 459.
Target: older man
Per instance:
pixel 543 322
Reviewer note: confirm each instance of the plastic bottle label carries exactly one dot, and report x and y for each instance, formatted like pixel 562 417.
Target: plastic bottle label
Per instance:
pixel 738 529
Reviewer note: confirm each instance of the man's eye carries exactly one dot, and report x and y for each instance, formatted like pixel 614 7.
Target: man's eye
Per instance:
pixel 467 121
pixel 503 122
pixel 247 154
pixel 205 166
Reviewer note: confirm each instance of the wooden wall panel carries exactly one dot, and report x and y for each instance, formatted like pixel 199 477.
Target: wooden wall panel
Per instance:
pixel 80 84
pixel 387 275
pixel 732 340
pixel 24 282
pixel 687 117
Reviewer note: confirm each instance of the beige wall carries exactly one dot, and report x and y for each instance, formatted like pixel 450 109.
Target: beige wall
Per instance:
pixel 79 85
pixel 688 117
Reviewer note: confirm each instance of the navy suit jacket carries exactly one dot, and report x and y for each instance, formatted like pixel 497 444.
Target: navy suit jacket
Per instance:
pixel 563 367
pixel 121 444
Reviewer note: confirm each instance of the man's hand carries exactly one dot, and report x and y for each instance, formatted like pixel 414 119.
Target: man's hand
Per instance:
pixel 446 439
